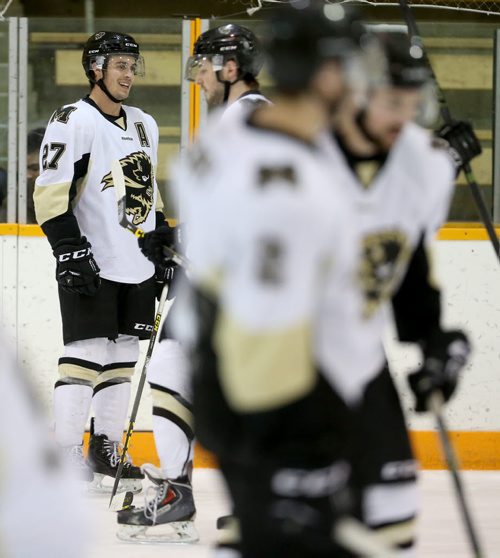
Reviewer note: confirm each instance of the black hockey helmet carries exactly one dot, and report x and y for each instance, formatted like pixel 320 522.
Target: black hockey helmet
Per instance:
pixel 303 35
pixel 227 42
pixel 101 45
pixel 407 66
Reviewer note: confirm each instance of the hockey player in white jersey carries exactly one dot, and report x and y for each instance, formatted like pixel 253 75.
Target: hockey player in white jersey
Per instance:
pixel 106 285
pixel 400 179
pixel 265 230
pixel 238 52
pixel 225 64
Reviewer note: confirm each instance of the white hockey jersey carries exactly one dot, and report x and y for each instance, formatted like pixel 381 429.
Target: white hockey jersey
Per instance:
pixel 265 229
pixel 408 198
pixel 79 146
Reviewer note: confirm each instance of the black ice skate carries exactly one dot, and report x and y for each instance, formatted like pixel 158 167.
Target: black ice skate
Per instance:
pixel 72 456
pixel 168 513
pixel 104 457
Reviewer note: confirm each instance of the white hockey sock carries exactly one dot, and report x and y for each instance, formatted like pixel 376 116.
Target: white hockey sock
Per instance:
pixel 173 447
pixel 71 410
pixel 110 408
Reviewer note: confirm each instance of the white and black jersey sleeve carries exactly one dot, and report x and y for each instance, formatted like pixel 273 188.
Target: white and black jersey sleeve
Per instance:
pixel 417 302
pixel 64 160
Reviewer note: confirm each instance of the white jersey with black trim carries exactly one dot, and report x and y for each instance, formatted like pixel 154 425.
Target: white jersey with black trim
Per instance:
pixel 408 199
pixel 265 230
pixel 78 149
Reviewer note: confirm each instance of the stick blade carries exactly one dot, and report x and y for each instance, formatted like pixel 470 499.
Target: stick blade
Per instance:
pixel 120 191
pixel 117 479
pixel 127 500
pixel 118 179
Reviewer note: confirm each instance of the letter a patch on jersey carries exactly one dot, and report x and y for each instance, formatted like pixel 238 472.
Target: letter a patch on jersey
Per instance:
pixel 141 132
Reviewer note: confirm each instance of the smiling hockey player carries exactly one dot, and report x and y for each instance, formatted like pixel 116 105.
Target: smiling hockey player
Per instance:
pixel 106 286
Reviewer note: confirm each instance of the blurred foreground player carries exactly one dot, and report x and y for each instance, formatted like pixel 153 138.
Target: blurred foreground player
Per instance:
pixel 106 285
pixel 266 230
pixel 227 58
pixel 41 510
pixel 400 178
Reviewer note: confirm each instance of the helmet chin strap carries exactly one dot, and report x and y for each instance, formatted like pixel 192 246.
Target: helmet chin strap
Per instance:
pixel 102 85
pixel 227 90
pixel 227 84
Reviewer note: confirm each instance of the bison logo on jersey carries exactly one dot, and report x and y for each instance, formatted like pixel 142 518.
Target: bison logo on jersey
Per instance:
pixel 384 259
pixel 139 181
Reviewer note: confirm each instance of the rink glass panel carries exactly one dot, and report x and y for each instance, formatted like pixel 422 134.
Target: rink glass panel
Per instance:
pixel 461 52
pixel 56 75
pixel 462 55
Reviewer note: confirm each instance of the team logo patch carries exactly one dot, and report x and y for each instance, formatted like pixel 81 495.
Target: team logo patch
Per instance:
pixel 139 181
pixel 384 256
pixel 62 115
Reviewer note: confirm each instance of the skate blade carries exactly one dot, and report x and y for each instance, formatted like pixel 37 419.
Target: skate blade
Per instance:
pixel 178 532
pixel 103 485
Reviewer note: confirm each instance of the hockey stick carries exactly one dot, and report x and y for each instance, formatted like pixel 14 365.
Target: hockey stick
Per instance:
pixel 417 42
pixel 120 192
pixel 140 387
pixel 436 404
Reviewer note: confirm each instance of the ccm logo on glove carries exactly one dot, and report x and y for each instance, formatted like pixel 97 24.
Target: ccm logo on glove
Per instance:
pixel 76 255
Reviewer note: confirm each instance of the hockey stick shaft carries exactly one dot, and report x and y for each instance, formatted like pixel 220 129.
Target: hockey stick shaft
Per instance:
pixel 416 40
pixel 436 404
pixel 121 198
pixel 140 387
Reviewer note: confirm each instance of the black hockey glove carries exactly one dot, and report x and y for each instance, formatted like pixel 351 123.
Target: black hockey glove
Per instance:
pixel 463 144
pixel 445 354
pixel 153 243
pixel 164 276
pixel 76 271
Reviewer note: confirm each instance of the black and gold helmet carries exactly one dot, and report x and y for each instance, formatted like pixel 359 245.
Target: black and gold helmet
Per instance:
pixel 227 42
pixel 103 44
